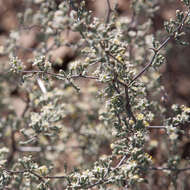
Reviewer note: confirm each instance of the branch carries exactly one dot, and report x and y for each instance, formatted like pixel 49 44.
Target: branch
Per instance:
pixel 156 51
pixel 59 75
pixel 109 11
pixel 40 149
pixel 156 127
pixel 13 148
pixel 171 169
pixel 12 172
pixel 128 106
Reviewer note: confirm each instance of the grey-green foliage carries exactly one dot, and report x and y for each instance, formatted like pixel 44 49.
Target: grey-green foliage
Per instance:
pixel 113 110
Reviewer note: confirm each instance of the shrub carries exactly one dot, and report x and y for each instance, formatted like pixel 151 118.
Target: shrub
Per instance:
pixel 91 125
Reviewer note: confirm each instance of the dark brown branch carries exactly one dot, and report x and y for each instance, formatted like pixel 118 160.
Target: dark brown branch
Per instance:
pixel 128 106
pixel 109 11
pixel 27 106
pixel 156 127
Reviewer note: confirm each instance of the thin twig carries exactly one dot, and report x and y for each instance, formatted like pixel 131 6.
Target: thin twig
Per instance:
pixel 40 149
pixel 170 169
pixel 59 75
pixel 26 107
pixel 12 172
pixel 109 11
pixel 143 70
pixel 25 27
pixel 13 148
pixel 156 127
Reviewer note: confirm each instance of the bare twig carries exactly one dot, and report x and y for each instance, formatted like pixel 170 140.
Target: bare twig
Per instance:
pixel 40 149
pixel 27 101
pixel 13 148
pixel 156 127
pixel 109 11
pixel 170 169
pixel 24 27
